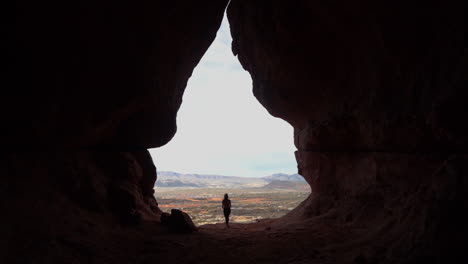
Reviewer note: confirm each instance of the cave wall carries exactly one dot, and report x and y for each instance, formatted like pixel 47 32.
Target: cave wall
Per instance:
pixel 101 73
pixel 376 94
pixel 89 86
pixel 54 203
pixel 357 76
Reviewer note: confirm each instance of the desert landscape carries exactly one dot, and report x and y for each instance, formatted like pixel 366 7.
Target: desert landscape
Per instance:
pixel 248 205
pixel 272 197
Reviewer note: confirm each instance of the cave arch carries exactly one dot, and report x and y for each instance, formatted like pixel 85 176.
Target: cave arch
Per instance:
pixel 226 140
pixel 373 90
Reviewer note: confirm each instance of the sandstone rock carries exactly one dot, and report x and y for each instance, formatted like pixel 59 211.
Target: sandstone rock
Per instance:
pixel 375 90
pixel 94 87
pixel 359 88
pixel 178 221
pixel 123 84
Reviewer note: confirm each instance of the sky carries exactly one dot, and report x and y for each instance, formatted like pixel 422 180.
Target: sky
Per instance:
pixel 221 127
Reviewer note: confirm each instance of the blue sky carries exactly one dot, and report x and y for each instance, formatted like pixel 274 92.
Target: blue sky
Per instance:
pixel 222 128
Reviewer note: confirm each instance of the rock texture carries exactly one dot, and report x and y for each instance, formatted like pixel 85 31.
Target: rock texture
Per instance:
pixel 88 88
pixel 55 196
pixel 101 73
pixel 373 91
pixel 178 221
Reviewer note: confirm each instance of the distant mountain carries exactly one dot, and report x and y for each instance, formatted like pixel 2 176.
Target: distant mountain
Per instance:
pixel 176 183
pixel 287 185
pixel 175 179
pixel 284 177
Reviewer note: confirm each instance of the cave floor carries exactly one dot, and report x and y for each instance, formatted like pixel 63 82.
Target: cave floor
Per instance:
pixel 241 243
pixel 267 241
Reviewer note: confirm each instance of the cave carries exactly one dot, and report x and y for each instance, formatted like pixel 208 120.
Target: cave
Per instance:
pixel 375 92
pixel 227 142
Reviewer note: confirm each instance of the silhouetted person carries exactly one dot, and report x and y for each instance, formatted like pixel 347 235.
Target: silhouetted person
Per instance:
pixel 226 208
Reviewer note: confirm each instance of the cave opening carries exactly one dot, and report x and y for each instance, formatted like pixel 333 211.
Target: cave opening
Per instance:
pixel 227 142
pixel 375 91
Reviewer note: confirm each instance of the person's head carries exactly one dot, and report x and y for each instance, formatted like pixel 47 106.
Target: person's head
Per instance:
pixel 226 196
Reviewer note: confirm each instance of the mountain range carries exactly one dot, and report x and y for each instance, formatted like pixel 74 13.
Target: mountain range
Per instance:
pixel 277 181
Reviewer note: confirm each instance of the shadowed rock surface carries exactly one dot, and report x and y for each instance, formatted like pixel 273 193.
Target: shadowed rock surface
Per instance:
pixel 375 91
pixel 178 221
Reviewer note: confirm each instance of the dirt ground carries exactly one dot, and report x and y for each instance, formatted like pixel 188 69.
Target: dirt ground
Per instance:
pixel 241 243
pixel 262 242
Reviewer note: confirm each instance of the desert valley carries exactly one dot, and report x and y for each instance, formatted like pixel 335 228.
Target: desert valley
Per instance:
pixel 252 198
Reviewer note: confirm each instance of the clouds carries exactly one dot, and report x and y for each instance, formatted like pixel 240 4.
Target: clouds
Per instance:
pixel 222 128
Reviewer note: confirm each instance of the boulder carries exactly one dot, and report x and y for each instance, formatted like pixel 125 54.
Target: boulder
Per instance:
pixel 178 221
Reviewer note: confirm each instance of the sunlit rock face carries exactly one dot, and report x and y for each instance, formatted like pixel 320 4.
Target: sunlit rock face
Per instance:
pixel 374 92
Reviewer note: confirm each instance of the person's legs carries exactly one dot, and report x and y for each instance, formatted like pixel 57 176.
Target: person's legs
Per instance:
pixel 227 212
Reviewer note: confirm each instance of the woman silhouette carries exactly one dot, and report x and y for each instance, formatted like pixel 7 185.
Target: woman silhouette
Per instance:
pixel 226 208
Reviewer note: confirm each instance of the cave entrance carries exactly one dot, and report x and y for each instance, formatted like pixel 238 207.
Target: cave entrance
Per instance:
pixel 227 142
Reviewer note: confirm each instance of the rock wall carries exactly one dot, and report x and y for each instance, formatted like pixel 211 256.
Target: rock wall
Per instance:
pixel 375 92
pixel 89 86
pixel 101 73
pixel 59 196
